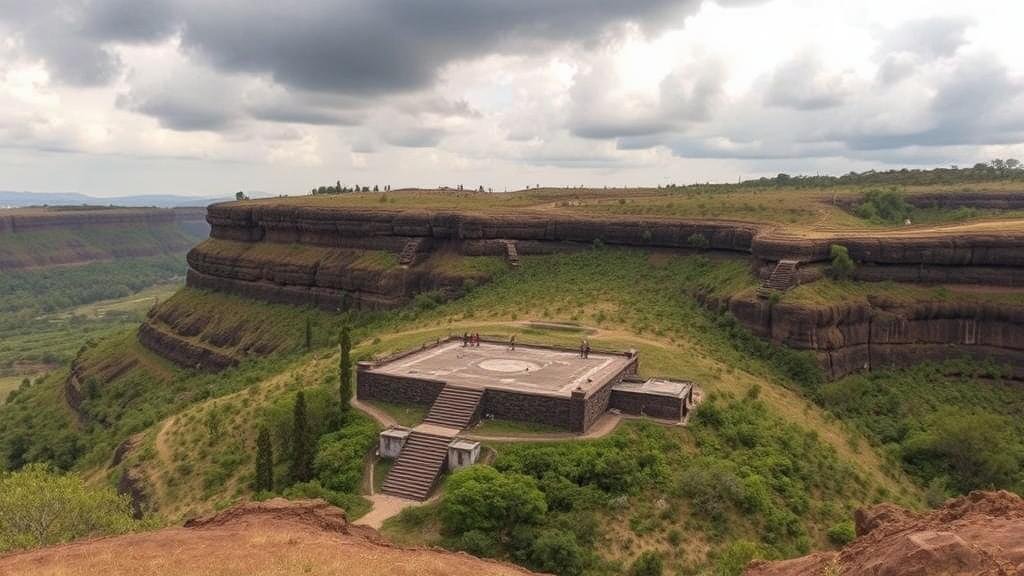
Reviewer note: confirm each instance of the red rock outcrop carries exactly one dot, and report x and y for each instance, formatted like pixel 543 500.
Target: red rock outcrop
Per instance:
pixel 274 537
pixel 879 333
pixel 981 534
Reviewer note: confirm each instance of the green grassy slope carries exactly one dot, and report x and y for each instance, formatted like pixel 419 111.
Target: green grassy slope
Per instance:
pixel 193 433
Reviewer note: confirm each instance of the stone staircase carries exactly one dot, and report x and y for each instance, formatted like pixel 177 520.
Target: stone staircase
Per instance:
pixel 783 278
pixel 410 251
pixel 418 466
pixel 512 253
pixel 455 407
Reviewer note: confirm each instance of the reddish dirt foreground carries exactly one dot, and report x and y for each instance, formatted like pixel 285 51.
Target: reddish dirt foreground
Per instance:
pixel 981 534
pixel 273 538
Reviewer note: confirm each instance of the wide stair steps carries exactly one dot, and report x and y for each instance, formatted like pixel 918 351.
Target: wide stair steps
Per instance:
pixel 455 407
pixel 418 466
pixel 512 253
pixel 783 278
pixel 410 251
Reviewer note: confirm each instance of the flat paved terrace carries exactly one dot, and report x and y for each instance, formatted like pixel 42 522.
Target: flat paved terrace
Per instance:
pixel 530 369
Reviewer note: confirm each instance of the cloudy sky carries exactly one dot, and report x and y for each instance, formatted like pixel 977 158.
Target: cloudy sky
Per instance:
pixel 205 97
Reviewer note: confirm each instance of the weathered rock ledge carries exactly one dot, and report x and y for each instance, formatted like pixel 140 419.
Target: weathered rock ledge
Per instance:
pixel 975 535
pixel 849 337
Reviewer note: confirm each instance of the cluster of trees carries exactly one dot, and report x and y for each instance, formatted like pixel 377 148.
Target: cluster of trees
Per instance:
pixel 337 188
pixel 539 505
pixel 997 169
pixel 325 442
pixel 952 433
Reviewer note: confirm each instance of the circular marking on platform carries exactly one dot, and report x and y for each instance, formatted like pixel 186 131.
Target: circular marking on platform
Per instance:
pixel 507 365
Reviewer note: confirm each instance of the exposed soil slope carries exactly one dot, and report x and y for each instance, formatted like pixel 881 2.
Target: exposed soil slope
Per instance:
pixel 277 537
pixel 981 534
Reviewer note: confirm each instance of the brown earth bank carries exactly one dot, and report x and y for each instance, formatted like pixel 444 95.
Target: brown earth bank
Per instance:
pixel 272 538
pixel 981 534
pixel 880 333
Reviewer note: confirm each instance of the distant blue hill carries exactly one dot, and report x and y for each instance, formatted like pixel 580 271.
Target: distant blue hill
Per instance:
pixel 19 199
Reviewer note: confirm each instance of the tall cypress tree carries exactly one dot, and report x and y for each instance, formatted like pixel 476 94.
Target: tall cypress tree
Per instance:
pixel 345 370
pixel 264 462
pixel 302 455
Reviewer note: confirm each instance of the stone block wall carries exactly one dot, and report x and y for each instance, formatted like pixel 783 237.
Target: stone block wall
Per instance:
pixel 509 405
pixel 655 405
pixel 396 389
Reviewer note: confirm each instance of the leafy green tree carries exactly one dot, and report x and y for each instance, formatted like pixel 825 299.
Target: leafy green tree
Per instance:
pixel 264 461
pixel 557 551
pixel 39 507
pixel 302 456
pixel 481 498
pixel 842 265
pixel 345 370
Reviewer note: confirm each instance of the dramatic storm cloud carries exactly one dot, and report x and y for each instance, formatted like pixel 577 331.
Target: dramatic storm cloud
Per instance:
pixel 207 96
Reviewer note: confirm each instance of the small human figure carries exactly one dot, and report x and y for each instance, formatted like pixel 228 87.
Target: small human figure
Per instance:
pixel 586 349
pixel 512 343
pixel 583 346
pixel 465 339
pixel 476 338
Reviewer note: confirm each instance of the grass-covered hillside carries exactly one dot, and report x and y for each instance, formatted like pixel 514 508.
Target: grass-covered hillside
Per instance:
pixel 192 436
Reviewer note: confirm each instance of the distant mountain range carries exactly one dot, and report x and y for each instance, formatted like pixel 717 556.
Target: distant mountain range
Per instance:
pixel 19 199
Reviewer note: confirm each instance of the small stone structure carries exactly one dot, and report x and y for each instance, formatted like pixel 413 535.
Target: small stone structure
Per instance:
pixel 391 441
pixel 656 397
pixel 462 453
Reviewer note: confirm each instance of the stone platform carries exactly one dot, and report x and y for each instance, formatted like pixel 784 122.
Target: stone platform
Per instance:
pixel 531 369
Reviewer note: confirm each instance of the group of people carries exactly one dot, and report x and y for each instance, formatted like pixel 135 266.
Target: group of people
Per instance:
pixel 470 339
pixel 585 349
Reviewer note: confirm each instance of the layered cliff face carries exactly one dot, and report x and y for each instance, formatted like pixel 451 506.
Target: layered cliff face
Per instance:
pixel 343 257
pixel 976 535
pixel 37 237
pixel 878 332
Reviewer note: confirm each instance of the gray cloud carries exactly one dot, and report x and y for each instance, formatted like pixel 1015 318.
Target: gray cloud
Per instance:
pixel 347 46
pixel 978 102
pixel 804 84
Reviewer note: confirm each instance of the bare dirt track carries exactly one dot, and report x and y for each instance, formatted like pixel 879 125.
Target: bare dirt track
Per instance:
pixel 273 538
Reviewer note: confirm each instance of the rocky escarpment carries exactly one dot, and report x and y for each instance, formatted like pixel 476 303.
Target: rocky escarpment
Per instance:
pixel 328 278
pixel 977 535
pixel 880 332
pixel 37 237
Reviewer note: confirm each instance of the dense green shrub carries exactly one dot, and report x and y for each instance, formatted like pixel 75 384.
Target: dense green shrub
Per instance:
pixel 481 498
pixel 341 454
pixel 648 563
pixel 39 507
pixel 884 206
pixel 842 266
pixel 842 533
pixel 556 551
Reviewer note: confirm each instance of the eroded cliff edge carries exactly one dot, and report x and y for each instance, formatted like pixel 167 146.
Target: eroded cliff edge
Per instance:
pixel 335 257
